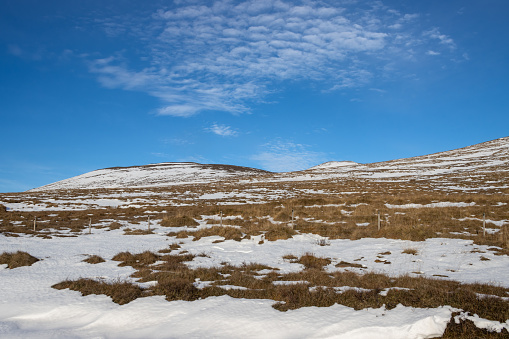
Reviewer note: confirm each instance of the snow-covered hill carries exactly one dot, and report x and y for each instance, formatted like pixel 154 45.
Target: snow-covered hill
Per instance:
pixel 427 219
pixel 472 164
pixel 334 164
pixel 162 174
pixel 485 164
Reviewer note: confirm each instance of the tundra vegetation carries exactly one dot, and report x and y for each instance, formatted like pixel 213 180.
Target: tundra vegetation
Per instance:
pixel 346 209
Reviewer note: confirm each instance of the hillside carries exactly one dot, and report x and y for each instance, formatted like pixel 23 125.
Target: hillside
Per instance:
pixel 408 248
pixel 153 175
pixel 481 166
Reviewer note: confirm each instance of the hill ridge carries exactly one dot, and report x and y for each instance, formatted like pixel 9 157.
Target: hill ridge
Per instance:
pixel 474 160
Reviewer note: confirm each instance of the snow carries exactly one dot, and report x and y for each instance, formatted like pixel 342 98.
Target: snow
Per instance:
pixel 30 308
pixel 219 317
pixel 333 164
pixel 492 326
pixel 163 174
pixel 432 205
pixel 473 161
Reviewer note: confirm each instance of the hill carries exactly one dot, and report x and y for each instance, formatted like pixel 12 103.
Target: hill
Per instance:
pixel 407 248
pixel 163 174
pixel 481 166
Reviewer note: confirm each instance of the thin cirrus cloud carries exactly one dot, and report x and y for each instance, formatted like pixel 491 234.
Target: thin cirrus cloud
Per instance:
pixel 224 55
pixel 222 130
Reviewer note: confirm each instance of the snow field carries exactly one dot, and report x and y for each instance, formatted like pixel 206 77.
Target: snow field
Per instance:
pixel 30 308
pixel 340 194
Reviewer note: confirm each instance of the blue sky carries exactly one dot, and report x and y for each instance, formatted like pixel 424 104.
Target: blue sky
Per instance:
pixel 278 85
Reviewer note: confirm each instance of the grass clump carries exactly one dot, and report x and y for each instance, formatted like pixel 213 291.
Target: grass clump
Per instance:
pixel 17 259
pixel 129 231
pixel 115 225
pixel 348 264
pixel 466 329
pixel 227 232
pixel 179 221
pixel 311 262
pixel 172 247
pixel 278 232
pixel 94 259
pixel 412 251
pixel 313 286
pixel 121 292
pixel 137 261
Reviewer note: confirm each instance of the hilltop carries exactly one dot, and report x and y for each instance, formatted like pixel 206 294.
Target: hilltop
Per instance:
pixel 468 168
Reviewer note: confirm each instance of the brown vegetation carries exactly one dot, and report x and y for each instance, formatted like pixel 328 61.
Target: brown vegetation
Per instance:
pixel 17 259
pixel 179 221
pixel 94 259
pixel 333 215
pixel 466 329
pixel 121 292
pixel 311 287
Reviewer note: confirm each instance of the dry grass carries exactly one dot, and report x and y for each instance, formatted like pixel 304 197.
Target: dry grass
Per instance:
pixel 17 259
pixel 412 251
pixel 311 262
pixel 316 288
pixel 466 329
pixel 331 214
pixel 173 247
pixel 279 233
pixel 94 259
pixel 121 292
pixel 320 207
pixel 179 221
pixel 129 231
pixel 115 225
pixel 228 233
pixel 348 264
pixel 137 261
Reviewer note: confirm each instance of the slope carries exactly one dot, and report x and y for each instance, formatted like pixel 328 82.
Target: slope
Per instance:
pixel 162 174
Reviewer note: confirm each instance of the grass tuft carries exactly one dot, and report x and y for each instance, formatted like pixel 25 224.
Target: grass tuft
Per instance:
pixel 411 251
pixel 94 259
pixel 179 221
pixel 466 329
pixel 121 292
pixel 311 262
pixel 17 259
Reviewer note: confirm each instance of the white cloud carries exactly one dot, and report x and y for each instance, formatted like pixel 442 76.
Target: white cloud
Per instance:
pixel 177 141
pixel 220 56
pixel 286 156
pixel 442 38
pixel 222 130
pixel 430 52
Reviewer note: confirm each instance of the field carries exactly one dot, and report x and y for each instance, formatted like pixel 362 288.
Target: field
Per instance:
pixel 384 251
pixel 297 255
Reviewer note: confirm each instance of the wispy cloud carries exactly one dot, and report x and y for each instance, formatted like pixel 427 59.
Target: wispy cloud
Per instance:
pixel 222 130
pixel 222 55
pixel 15 50
pixel 442 38
pixel 178 141
pixel 430 52
pixel 285 156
